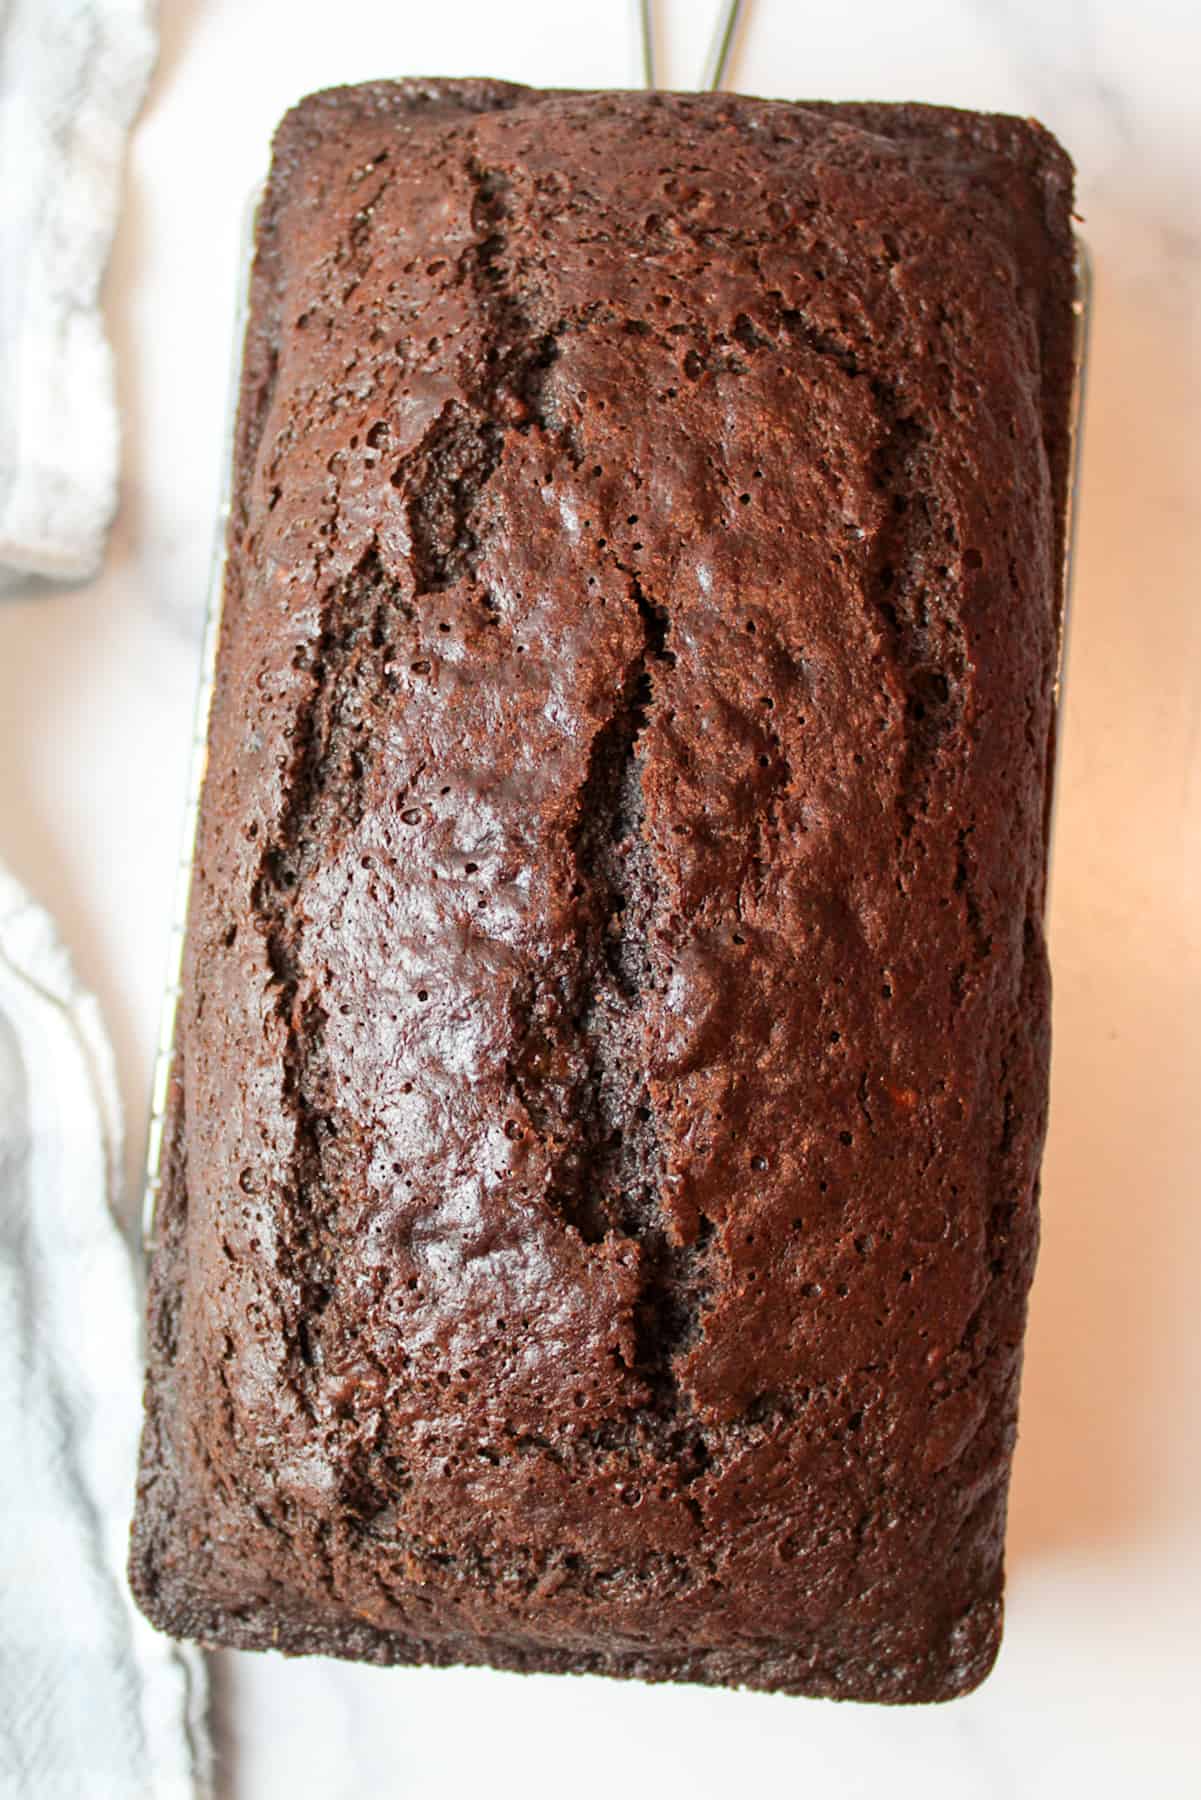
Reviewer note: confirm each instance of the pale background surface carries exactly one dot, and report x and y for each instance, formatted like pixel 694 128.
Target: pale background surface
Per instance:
pixel 1097 1688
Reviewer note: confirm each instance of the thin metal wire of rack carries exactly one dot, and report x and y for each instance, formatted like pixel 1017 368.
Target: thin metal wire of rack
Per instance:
pixel 646 42
pixel 718 59
pixel 716 62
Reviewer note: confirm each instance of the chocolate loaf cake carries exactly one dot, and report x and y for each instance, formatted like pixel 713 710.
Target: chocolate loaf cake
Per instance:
pixel 600 1180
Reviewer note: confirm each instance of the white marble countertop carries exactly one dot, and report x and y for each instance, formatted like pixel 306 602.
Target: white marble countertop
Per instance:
pixel 1096 1689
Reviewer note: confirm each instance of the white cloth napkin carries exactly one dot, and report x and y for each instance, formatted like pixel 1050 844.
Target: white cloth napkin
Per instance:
pixel 72 75
pixel 94 1704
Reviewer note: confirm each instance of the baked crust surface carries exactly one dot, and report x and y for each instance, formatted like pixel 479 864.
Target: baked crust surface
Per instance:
pixel 611 1071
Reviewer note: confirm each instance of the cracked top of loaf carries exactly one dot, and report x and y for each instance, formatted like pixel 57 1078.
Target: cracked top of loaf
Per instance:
pixel 610 1076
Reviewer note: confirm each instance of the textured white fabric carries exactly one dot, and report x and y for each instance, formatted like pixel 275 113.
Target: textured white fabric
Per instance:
pixel 93 1703
pixel 72 75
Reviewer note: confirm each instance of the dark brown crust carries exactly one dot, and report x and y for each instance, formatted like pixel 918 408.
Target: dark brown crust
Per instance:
pixel 610 1078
